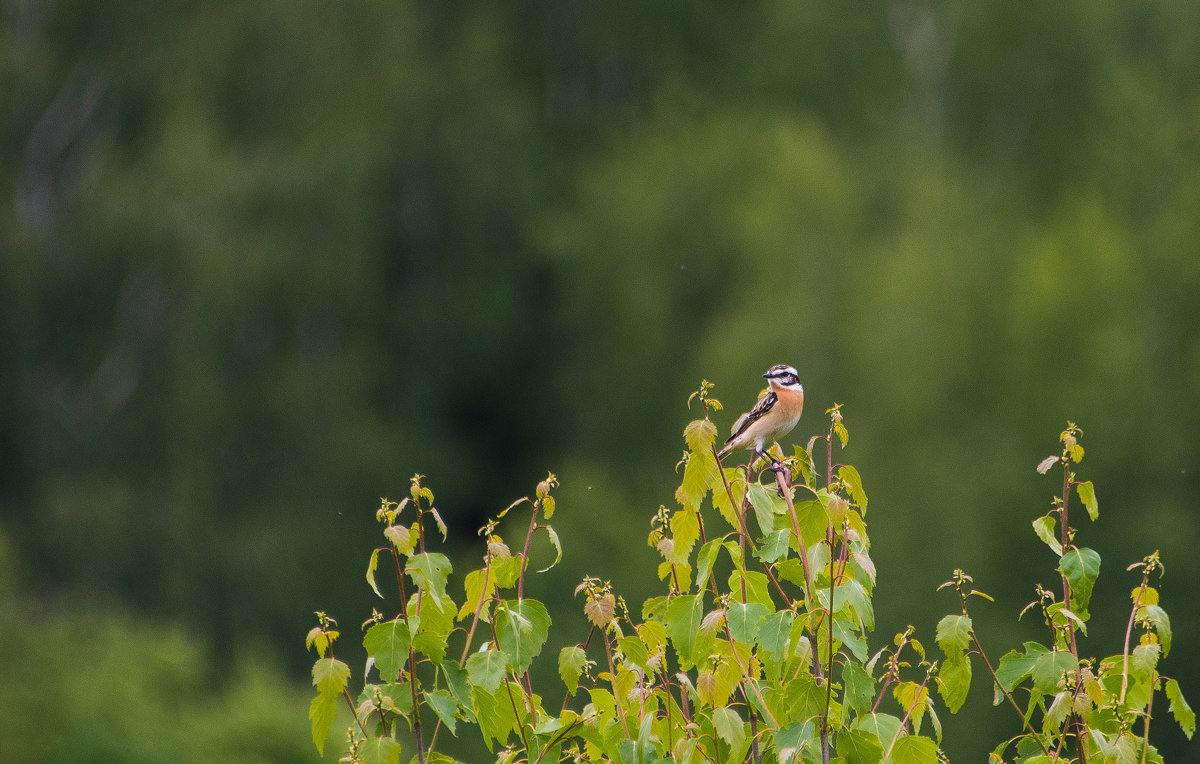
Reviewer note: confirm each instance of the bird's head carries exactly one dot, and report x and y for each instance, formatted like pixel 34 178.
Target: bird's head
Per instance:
pixel 783 376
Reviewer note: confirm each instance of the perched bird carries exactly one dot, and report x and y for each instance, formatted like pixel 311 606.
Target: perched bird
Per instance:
pixel 774 416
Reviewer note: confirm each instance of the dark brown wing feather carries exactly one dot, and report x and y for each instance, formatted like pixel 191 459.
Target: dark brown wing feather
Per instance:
pixel 762 407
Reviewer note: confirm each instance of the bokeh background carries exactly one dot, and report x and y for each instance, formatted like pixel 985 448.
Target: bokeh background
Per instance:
pixel 263 261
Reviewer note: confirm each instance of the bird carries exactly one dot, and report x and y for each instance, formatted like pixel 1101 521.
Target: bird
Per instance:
pixel 774 416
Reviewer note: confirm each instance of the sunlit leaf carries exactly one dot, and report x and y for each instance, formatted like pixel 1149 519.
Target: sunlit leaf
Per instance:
pixel 1157 617
pixel 914 749
pixel 571 662
pixel 1045 464
pixel 1087 494
pixel 379 750
pixel 321 712
pixel 371 567
pixel 433 627
pixel 853 481
pixel 685 532
pixel 859 688
pixel 700 435
pixel 704 562
pixel 684 614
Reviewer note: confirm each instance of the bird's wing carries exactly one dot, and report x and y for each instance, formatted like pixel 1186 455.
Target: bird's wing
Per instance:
pixel 764 405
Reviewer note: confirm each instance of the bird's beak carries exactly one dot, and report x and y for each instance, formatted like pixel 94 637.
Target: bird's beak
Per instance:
pixel 767 374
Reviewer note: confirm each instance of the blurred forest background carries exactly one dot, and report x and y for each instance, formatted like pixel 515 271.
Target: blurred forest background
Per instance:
pixel 261 262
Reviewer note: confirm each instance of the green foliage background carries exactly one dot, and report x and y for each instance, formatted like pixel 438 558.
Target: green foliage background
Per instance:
pixel 263 261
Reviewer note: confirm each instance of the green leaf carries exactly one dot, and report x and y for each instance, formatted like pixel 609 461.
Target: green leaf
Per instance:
pixel 743 621
pixel 729 726
pixel 486 669
pixel 321 712
pixel 1048 669
pixel 954 680
pixel 813 519
pixel 1087 494
pixel 379 750
pixel 683 626
pixel 388 644
pixel 720 497
pixel 507 571
pixel 429 572
pixel 330 676
pixel 774 631
pixel 700 435
pixel 371 568
pixel 856 746
pixel 914 749
pixel 433 628
pixel 494 712
pixel 1016 666
pixel 1081 566
pixel 1157 617
pixel 1183 713
pixel 1044 528
pixel 859 688
pixel 521 630
pixel 853 481
pixel 766 505
pixel 445 706
pixel 774 545
pixel 457 681
pixel 1056 714
pixel 882 726
pixel 634 650
pixel 571 662
pixel 954 634
pixel 792 739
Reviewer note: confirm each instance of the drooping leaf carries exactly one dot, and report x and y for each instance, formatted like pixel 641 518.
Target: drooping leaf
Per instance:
pixel 433 628
pixel 1087 494
pixel 1081 566
pixel 684 614
pixel 1183 713
pixel 698 475
pixel 371 568
pixel 766 506
pixel 1045 464
pixel 557 547
pixel 521 630
pixel 321 712
pixel 494 712
pixel 704 562
pixel 445 706
pixel 402 537
pixel 954 680
pixel 1044 527
pixel 388 644
pixel 571 662
pixel 429 572
pixel 486 669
